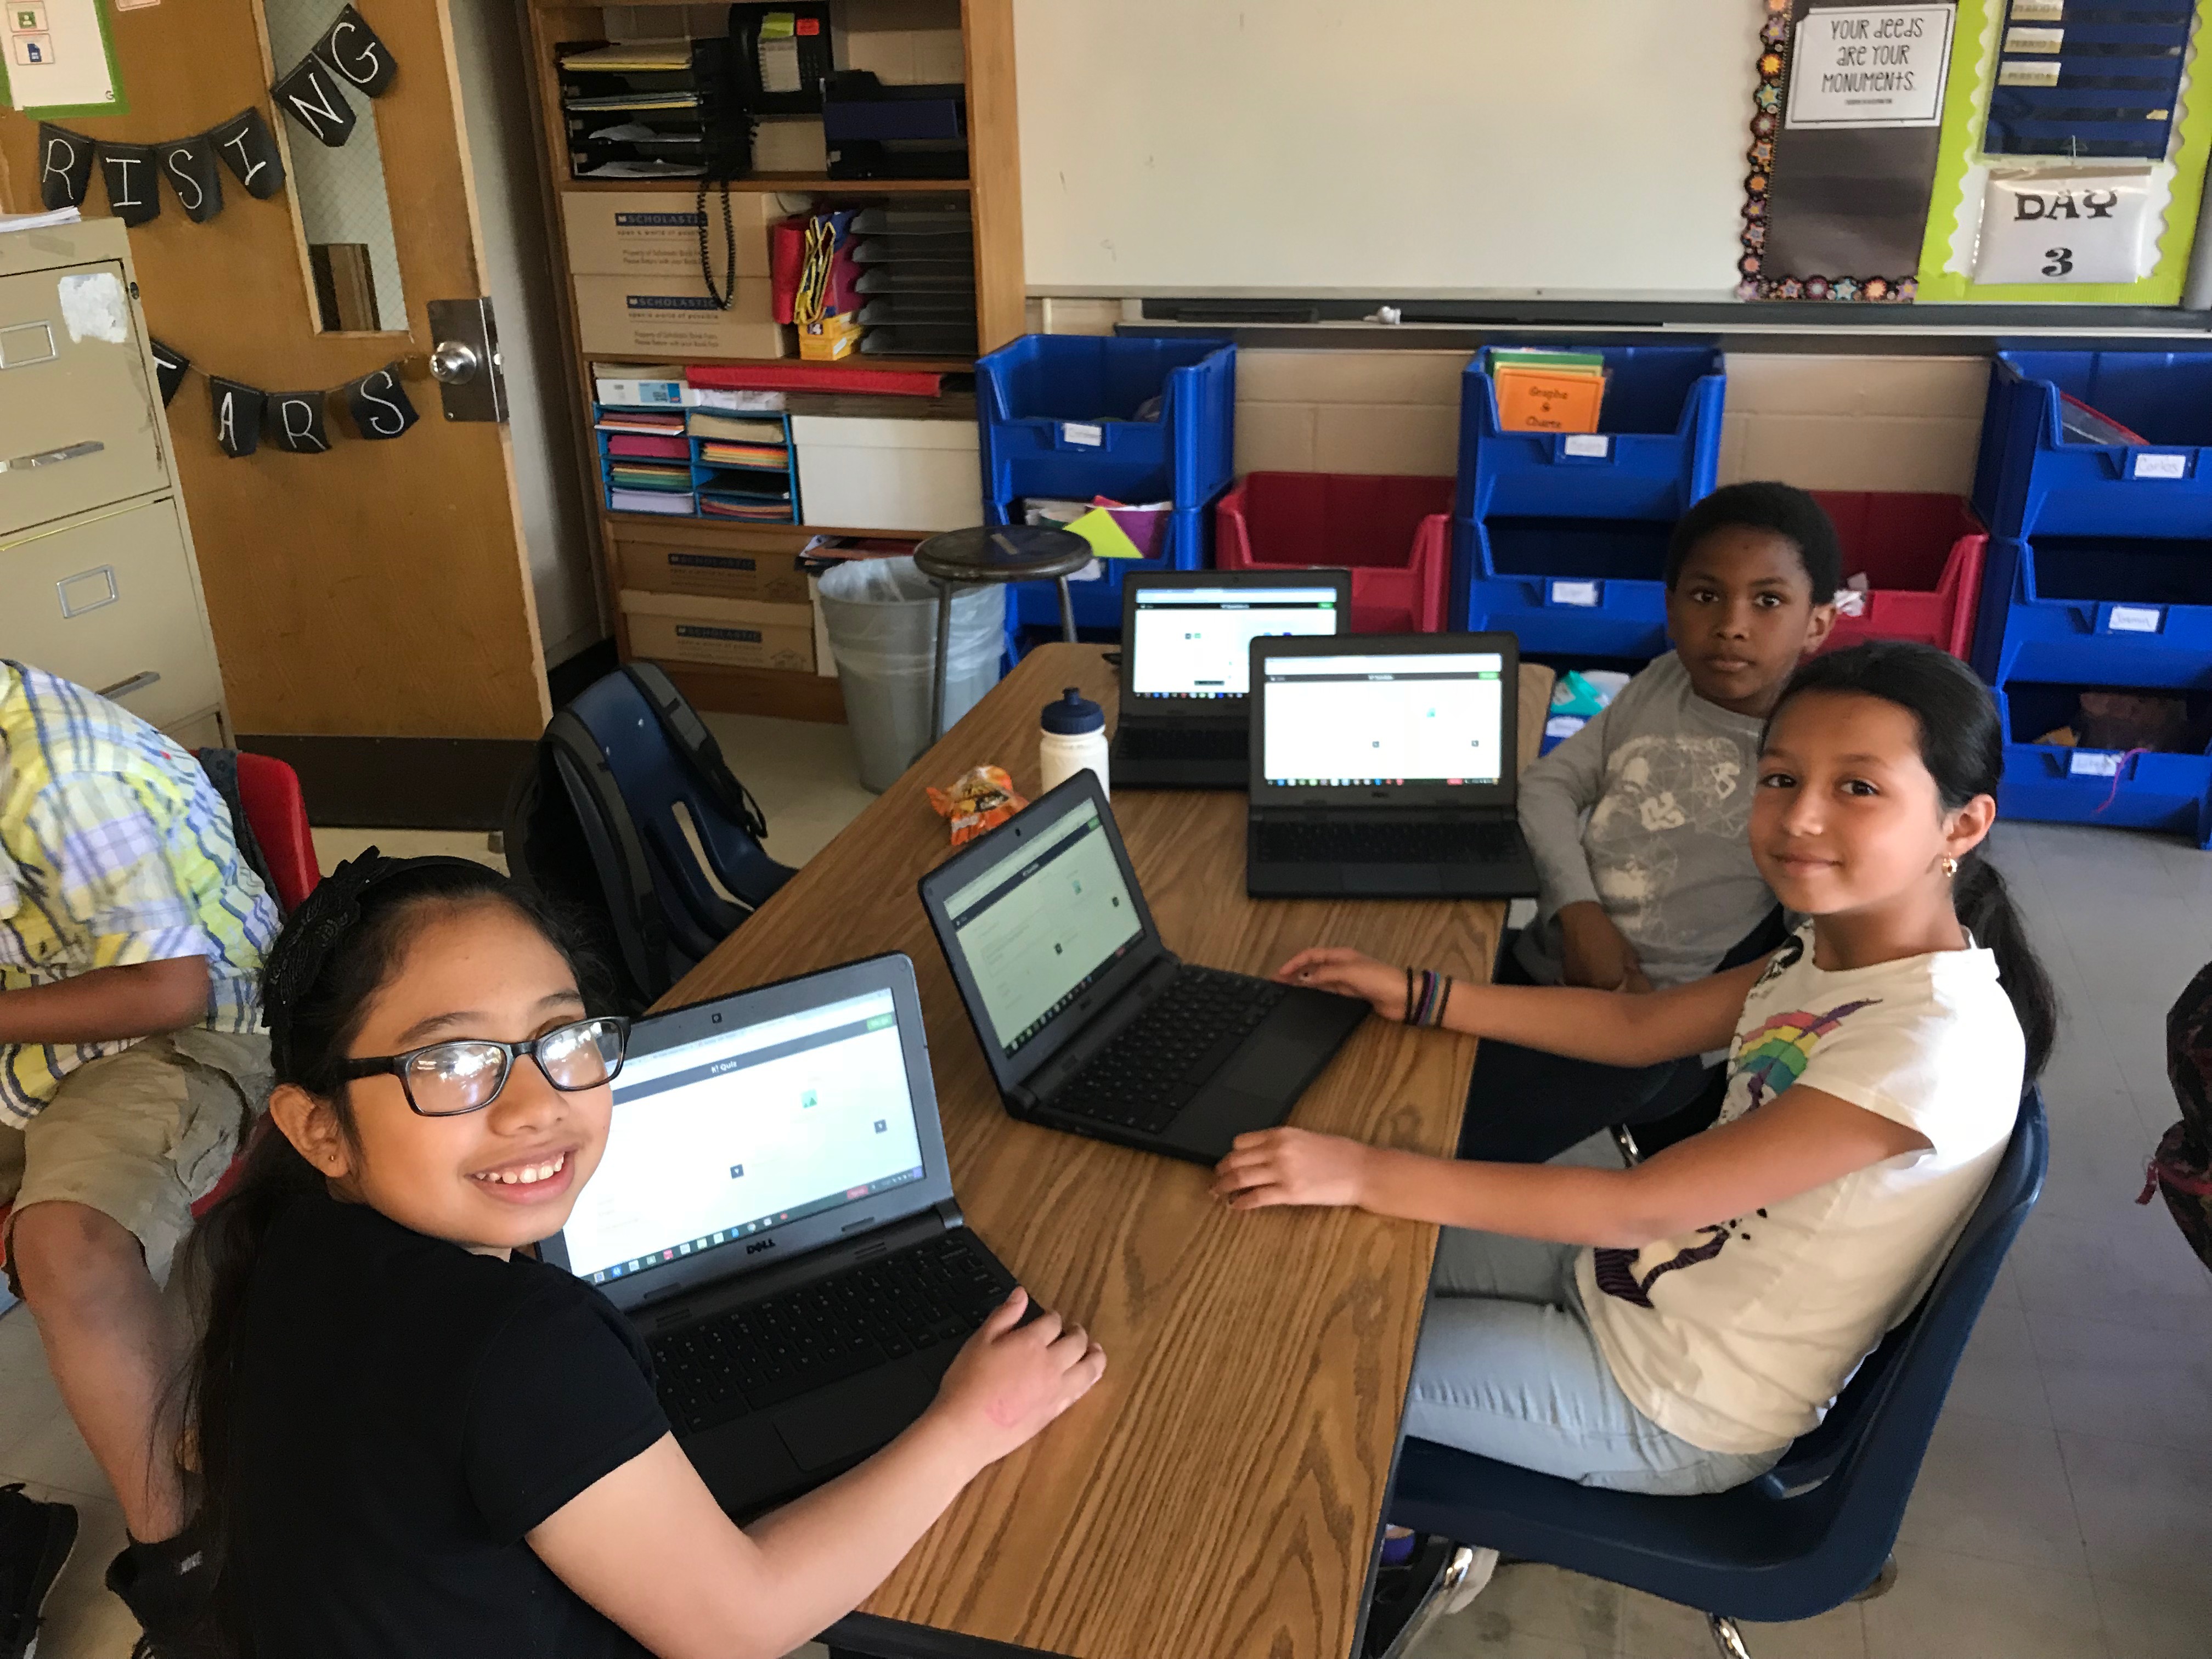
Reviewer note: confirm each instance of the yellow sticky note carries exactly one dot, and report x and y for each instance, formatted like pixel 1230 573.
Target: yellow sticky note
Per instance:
pixel 1107 538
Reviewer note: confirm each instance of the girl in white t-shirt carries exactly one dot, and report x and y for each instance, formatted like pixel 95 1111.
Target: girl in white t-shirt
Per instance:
pixel 1673 1327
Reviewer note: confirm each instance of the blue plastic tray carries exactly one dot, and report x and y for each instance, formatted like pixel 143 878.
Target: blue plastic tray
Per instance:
pixel 1657 448
pixel 2029 480
pixel 1572 586
pixel 2098 610
pixel 2053 784
pixel 1057 415
pixel 1188 546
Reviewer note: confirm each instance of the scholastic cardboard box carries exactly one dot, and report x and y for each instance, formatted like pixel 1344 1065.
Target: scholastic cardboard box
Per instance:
pixel 662 316
pixel 730 633
pixel 645 233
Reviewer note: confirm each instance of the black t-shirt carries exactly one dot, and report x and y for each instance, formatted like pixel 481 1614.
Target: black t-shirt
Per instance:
pixel 407 1412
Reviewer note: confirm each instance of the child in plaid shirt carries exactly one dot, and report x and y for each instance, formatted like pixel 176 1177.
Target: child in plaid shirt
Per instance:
pixel 131 1062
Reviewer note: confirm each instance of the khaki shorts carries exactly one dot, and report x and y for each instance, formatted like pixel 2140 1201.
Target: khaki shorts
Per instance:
pixel 140 1136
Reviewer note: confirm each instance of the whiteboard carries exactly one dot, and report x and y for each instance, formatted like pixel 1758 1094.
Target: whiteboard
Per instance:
pixel 1423 148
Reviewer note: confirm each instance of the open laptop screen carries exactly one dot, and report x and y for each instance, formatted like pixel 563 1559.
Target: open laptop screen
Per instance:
pixel 1410 718
pixel 1195 641
pixel 1038 926
pixel 716 1140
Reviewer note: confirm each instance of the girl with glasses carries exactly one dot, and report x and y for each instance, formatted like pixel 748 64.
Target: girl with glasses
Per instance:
pixel 411 1436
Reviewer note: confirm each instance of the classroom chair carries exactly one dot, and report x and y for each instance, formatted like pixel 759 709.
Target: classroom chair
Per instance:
pixel 269 790
pixel 1806 1536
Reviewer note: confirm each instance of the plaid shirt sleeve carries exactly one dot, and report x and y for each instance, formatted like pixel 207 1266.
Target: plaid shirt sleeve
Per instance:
pixel 115 880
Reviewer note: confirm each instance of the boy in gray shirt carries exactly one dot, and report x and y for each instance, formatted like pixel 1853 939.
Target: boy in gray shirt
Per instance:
pixel 1638 822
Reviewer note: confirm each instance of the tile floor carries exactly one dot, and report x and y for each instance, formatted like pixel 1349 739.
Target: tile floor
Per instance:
pixel 2065 1507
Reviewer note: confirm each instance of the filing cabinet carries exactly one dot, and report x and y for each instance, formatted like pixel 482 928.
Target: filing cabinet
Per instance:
pixel 97 578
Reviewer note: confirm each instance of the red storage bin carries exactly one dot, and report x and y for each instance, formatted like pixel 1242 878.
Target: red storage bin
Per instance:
pixel 1393 534
pixel 1922 556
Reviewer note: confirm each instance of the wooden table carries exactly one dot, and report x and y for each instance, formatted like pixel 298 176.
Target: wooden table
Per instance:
pixel 1218 1493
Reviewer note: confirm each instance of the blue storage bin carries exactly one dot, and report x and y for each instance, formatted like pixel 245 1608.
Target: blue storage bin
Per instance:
pixel 2054 784
pixel 2100 609
pixel 1584 587
pixel 2028 479
pixel 1187 543
pixel 690 499
pixel 1057 418
pixel 1657 447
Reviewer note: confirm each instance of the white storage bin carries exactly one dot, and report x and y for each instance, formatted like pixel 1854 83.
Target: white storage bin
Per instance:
pixel 861 474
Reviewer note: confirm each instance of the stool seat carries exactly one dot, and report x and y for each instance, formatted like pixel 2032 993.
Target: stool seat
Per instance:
pixel 995 553
pixel 1002 553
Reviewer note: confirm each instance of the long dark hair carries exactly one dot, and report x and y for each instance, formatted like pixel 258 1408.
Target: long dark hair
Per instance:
pixel 336 951
pixel 1962 746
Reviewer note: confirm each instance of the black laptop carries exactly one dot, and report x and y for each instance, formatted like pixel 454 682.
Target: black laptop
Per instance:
pixel 773 1215
pixel 1091 1024
pixel 1383 766
pixel 1186 649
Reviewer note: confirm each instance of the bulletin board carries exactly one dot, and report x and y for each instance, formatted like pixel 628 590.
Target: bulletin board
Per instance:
pixel 2059 219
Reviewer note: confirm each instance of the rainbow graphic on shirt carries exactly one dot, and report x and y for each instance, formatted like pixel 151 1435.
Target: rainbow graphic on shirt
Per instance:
pixel 1775 1052
pixel 1771 1055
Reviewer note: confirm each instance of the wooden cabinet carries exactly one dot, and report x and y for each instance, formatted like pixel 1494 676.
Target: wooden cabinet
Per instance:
pixel 97 578
pixel 605 226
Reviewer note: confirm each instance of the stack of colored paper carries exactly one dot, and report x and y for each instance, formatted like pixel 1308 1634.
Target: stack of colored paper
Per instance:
pixel 716 452
pixel 648 422
pixel 1547 390
pixel 645 475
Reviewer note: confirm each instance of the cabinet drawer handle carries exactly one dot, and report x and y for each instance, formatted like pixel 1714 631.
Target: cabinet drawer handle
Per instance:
pixel 76 600
pixel 54 457
pixel 136 683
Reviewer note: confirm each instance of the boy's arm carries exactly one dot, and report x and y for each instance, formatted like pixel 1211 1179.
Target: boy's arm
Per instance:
pixel 1556 792
pixel 108 1004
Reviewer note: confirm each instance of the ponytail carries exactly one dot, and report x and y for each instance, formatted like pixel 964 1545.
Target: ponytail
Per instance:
pixel 336 951
pixel 1986 909
pixel 1962 746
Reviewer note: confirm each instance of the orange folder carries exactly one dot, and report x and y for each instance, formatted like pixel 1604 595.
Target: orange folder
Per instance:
pixel 1544 400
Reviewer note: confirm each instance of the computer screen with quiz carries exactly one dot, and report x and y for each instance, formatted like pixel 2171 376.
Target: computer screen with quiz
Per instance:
pixel 717 1139
pixel 1195 641
pixel 1420 718
pixel 1038 926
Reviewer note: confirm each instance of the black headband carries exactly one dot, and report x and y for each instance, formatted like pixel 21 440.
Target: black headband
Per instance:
pixel 324 918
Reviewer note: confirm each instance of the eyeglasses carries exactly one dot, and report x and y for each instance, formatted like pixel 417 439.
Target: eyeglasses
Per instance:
pixel 446 1079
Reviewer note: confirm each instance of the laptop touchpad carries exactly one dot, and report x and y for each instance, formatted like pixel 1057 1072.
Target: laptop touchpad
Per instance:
pixel 1270 1070
pixel 848 1418
pixel 1382 879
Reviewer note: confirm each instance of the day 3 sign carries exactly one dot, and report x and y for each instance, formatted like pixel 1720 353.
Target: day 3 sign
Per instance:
pixel 1871 66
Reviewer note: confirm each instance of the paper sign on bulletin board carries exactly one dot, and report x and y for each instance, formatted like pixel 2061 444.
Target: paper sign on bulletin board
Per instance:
pixel 2032 222
pixel 56 59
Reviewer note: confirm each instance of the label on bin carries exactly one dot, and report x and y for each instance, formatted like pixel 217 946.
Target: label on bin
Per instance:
pixel 2093 763
pixel 2159 466
pixel 1080 432
pixel 1593 446
pixel 2133 619
pixel 1574 592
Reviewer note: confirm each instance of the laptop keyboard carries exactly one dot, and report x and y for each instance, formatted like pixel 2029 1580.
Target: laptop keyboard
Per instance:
pixel 1369 840
pixel 1196 743
pixel 763 1353
pixel 1156 1063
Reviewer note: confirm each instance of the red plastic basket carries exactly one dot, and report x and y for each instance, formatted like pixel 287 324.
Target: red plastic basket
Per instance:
pixel 1922 556
pixel 1393 534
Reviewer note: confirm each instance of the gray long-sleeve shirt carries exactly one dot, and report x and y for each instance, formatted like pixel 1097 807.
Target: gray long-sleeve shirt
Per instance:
pixel 1645 810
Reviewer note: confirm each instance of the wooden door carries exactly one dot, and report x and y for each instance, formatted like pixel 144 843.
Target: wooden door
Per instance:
pixel 380 588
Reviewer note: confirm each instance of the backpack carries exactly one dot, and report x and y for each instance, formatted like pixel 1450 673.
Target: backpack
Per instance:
pixel 629 818
pixel 2181 1168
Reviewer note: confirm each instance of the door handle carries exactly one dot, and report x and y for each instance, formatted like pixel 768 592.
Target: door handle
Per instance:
pixel 54 457
pixel 137 682
pixel 453 363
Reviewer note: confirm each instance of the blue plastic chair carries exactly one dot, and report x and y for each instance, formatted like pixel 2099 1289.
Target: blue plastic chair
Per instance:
pixel 1808 1535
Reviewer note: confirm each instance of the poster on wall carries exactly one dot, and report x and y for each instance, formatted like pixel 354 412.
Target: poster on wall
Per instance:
pixel 2073 157
pixel 1844 141
pixel 56 58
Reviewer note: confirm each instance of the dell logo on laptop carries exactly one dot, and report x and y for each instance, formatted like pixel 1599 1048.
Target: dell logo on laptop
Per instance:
pixel 758 1245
